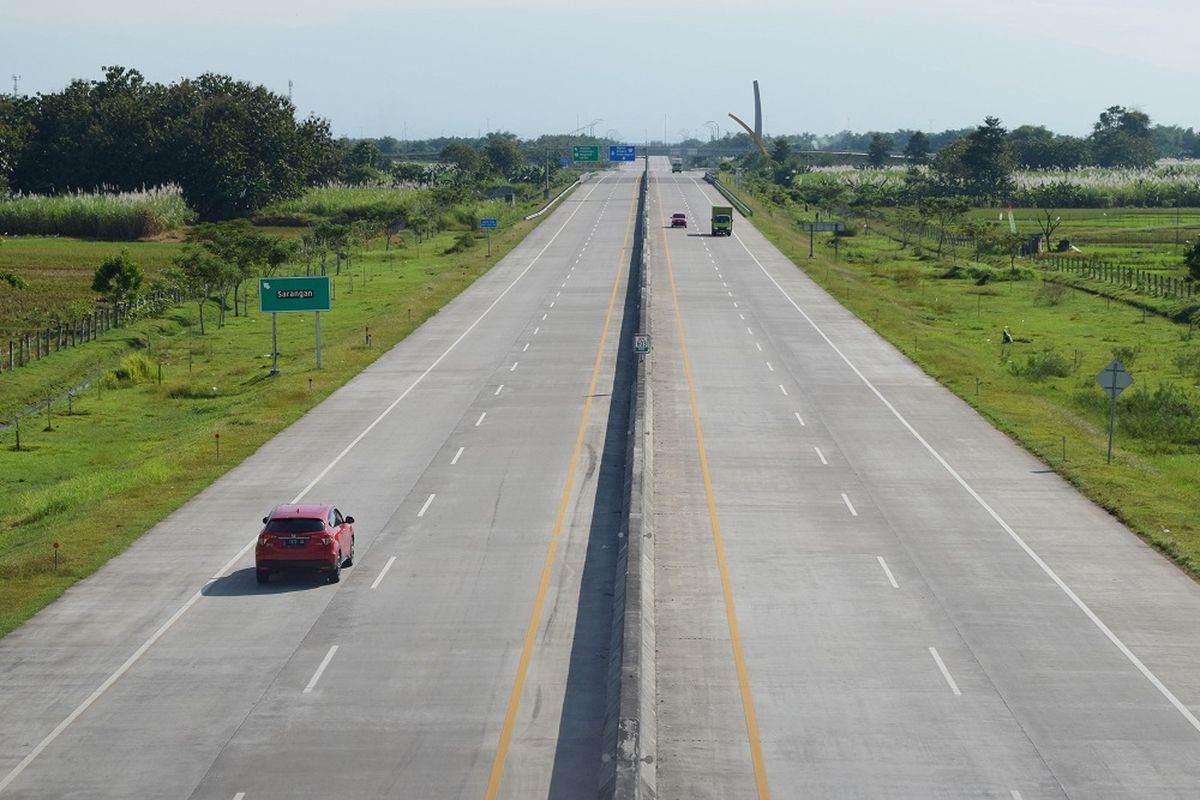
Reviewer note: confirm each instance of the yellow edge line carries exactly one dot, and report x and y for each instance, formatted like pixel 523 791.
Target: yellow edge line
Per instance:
pixel 514 700
pixel 735 637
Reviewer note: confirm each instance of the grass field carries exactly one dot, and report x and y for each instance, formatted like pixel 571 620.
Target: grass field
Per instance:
pixel 135 450
pixel 1040 390
pixel 59 273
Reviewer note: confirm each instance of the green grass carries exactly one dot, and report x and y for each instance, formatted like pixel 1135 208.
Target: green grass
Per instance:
pixel 132 452
pixel 951 327
pixel 59 273
pixel 122 216
pixel 340 203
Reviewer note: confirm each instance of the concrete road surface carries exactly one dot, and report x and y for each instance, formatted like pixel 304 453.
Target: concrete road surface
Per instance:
pixel 464 653
pixel 863 590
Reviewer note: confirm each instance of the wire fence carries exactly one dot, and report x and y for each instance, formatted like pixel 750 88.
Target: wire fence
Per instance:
pixel 27 348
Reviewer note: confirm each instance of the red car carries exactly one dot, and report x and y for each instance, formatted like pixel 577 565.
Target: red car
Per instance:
pixel 679 220
pixel 306 536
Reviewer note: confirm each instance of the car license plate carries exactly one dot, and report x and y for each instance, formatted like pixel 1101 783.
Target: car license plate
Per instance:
pixel 294 542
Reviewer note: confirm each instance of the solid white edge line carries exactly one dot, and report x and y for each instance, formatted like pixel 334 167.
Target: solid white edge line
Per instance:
pixel 479 421
pixel 321 669
pixel 821 456
pixel 137 654
pixel 425 507
pixel 891 578
pixel 945 672
pixel 846 500
pixel 454 460
pixel 1070 593
pixel 379 579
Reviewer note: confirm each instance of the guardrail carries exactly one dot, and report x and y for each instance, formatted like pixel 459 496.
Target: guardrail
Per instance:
pixel 552 202
pixel 728 195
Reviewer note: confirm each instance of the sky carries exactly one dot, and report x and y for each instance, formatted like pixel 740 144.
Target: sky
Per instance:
pixel 638 71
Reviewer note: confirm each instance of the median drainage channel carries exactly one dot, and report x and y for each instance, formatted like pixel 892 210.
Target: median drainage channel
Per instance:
pixel 628 771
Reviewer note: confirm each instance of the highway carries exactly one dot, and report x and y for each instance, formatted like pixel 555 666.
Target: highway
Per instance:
pixel 861 589
pixel 463 655
pixel 865 591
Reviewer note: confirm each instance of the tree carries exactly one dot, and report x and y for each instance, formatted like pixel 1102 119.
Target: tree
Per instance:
pixel 781 150
pixel 988 160
pixel 502 154
pixel 463 157
pixel 1191 260
pixel 1122 137
pixel 946 211
pixel 909 219
pixel 1048 222
pixel 237 245
pixel 199 273
pixel 917 149
pixel 117 278
pixel 880 149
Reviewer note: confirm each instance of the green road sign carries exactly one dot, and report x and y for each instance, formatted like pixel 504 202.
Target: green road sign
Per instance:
pixel 586 152
pixel 293 294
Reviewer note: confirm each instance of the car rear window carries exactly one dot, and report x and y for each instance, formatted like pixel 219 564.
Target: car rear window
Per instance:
pixel 295 525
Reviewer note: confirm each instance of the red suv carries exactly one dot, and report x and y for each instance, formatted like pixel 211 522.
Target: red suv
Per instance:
pixel 679 220
pixel 305 536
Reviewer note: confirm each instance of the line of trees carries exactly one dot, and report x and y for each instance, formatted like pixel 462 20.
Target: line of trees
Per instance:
pixel 231 146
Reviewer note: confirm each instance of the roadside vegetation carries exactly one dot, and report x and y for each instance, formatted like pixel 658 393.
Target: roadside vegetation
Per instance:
pixel 118 424
pixel 932 260
pixel 121 449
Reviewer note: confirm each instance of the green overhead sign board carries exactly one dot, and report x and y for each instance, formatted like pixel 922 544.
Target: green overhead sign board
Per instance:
pixel 586 152
pixel 293 294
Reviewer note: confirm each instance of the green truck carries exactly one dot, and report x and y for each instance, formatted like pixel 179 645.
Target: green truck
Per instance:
pixel 722 220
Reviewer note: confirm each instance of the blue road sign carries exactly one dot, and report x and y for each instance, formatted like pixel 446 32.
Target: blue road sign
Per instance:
pixel 487 222
pixel 622 152
pixel 564 161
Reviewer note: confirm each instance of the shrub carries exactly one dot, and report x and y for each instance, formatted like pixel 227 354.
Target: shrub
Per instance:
pixel 133 369
pixel 1165 416
pixel 1047 364
pixel 117 217
pixel 1051 293
pixel 463 243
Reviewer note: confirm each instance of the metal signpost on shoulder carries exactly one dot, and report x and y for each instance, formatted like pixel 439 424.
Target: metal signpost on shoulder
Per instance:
pixel 622 152
pixel 488 223
pixel 585 152
pixel 813 227
pixel 287 295
pixel 1113 379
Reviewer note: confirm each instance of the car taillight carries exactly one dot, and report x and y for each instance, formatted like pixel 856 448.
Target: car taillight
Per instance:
pixel 266 541
pixel 326 540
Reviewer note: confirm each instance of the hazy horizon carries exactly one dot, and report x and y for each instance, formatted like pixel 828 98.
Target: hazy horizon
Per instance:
pixel 416 70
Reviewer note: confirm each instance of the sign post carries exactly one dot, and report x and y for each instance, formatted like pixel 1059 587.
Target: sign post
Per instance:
pixel 289 295
pixel 1113 379
pixel 488 223
pixel 813 227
